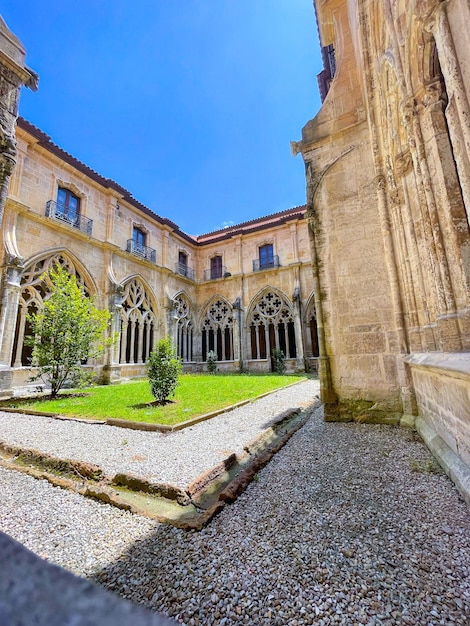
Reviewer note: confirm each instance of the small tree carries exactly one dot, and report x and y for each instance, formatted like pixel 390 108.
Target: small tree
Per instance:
pixel 279 361
pixel 67 331
pixel 164 367
pixel 211 359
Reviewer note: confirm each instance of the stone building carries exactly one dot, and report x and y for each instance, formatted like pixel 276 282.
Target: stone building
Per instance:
pixel 240 291
pixel 388 206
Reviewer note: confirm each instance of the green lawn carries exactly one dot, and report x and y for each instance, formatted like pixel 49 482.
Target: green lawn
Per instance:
pixel 196 394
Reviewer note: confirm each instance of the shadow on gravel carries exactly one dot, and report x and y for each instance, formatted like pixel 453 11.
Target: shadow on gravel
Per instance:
pixel 346 525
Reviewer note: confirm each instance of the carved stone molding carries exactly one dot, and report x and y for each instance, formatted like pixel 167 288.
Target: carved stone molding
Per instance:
pixel 434 97
pixel 380 182
pixel 408 111
pixel 403 163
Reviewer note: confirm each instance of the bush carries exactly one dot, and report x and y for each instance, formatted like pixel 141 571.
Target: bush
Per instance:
pixel 279 361
pixel 67 331
pixel 211 359
pixel 164 367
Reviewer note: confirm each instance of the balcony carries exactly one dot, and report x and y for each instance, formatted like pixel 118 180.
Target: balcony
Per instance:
pixel 184 270
pixel 57 211
pixel 215 273
pixel 134 247
pixel 265 264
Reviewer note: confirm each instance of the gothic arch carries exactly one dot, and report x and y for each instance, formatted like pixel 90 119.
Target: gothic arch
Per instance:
pixel 183 317
pixel 35 290
pixel 270 324
pixel 138 321
pixel 216 328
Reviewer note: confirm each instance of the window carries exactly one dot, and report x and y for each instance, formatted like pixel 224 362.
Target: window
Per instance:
pixel 216 267
pixel 182 263
pixel 266 255
pixel 138 239
pixel 68 205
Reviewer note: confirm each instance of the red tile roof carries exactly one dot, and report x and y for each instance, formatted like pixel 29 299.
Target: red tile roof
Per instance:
pixel 257 224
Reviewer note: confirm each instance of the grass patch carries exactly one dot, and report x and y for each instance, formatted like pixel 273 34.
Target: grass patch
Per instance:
pixel 196 395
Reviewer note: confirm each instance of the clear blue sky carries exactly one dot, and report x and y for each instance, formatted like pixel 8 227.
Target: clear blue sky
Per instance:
pixel 188 104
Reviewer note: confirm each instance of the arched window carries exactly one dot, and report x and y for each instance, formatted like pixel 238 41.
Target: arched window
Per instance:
pixel 217 330
pixel 184 325
pixel 138 324
pixel 34 291
pixel 271 325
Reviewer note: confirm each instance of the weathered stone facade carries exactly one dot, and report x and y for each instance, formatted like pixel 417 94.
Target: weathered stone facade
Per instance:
pixel 13 75
pixel 388 203
pixel 240 291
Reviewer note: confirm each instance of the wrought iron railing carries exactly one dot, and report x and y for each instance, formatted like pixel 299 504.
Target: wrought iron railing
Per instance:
pixel 265 264
pixel 140 250
pixel 58 212
pixel 184 270
pixel 212 274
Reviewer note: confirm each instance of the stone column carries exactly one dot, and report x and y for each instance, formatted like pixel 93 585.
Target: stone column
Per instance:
pixel 299 345
pixel 458 108
pixel 9 309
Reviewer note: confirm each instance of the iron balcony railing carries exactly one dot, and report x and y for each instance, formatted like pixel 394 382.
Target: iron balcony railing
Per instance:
pixel 134 247
pixel 265 264
pixel 58 212
pixel 184 270
pixel 212 274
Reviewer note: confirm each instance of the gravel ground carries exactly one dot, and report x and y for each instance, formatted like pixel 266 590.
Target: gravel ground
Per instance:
pixel 348 524
pixel 176 458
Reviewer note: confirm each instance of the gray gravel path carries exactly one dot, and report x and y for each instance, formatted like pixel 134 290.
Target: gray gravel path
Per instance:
pixel 176 458
pixel 348 524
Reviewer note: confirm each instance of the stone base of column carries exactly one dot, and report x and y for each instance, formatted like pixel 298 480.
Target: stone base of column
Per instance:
pixel 110 374
pixel 6 381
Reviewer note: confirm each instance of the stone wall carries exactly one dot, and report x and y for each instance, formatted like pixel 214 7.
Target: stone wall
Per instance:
pixel 442 385
pixel 388 204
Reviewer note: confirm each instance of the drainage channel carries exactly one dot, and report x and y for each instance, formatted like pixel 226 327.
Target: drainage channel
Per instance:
pixel 190 508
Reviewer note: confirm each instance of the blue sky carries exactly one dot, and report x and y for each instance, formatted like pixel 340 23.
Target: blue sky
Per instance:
pixel 188 104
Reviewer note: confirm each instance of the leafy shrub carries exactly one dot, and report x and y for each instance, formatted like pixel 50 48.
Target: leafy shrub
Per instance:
pixel 164 367
pixel 211 359
pixel 65 332
pixel 279 361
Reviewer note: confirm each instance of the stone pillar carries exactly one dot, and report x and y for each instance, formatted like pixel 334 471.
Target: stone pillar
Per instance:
pixel 458 108
pixel 9 310
pixel 299 345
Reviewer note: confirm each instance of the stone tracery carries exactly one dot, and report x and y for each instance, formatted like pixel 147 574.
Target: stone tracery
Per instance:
pixel 217 330
pixel 138 323
pixel 184 327
pixel 271 324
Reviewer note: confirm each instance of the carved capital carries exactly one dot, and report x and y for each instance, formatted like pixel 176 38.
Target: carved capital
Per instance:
pixel 295 147
pixel 403 163
pixel 434 97
pixel 408 111
pixel 380 182
pixel 13 270
pixel 429 11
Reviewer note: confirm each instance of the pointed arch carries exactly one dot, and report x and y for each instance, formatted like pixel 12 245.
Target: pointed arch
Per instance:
pixel 34 291
pixel 184 326
pixel 216 328
pixel 138 329
pixel 270 324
